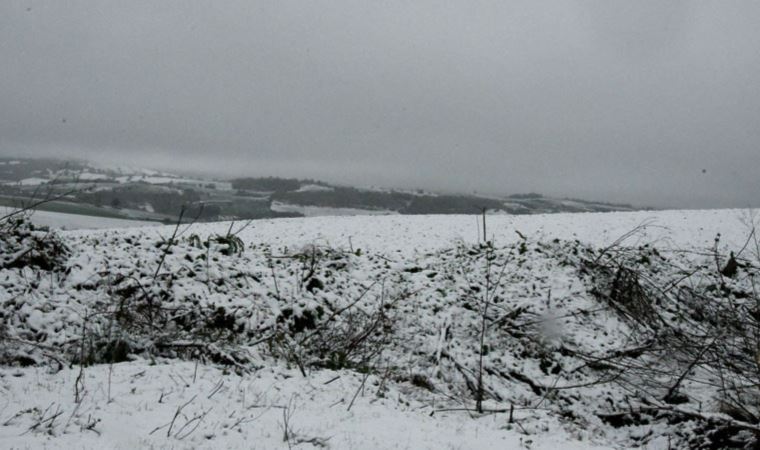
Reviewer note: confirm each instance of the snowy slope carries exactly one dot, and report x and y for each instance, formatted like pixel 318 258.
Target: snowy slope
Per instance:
pixel 238 412
pixel 414 282
pixel 66 221
pixel 411 234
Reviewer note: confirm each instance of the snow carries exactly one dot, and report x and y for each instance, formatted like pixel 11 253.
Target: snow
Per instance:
pixel 324 211
pixel 165 179
pixel 66 221
pixel 314 188
pixel 421 270
pixel 33 181
pixel 89 176
pixel 414 234
pixel 136 409
pixel 128 170
pixel 148 179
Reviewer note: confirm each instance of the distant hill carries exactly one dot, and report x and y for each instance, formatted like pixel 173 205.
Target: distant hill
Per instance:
pixel 123 192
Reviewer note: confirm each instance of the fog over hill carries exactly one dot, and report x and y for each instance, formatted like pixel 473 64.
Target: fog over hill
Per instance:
pixel 124 192
pixel 648 102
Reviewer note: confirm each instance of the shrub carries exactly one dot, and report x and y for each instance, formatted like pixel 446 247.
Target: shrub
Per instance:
pixel 24 245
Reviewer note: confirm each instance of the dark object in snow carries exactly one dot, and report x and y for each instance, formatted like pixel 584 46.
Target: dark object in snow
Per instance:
pixel 314 284
pixel 626 419
pixel 23 361
pixel 115 351
pixel 298 322
pixel 422 381
pixel 731 267
pixel 676 398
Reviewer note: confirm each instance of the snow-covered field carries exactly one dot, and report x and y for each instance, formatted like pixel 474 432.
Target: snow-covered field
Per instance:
pixel 238 412
pixel 391 232
pixel 336 332
pixel 66 221
pixel 417 234
pixel 325 211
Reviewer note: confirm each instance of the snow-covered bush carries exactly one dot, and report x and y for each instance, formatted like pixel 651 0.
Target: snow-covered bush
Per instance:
pixel 228 244
pixel 694 350
pixel 24 245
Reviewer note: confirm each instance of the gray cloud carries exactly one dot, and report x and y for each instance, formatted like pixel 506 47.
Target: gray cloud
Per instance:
pixel 614 100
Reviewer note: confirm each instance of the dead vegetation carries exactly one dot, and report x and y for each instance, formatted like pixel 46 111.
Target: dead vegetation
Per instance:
pixel 640 336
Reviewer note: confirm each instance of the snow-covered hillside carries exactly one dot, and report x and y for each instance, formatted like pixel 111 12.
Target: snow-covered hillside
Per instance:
pixel 417 234
pixel 368 332
pixel 64 221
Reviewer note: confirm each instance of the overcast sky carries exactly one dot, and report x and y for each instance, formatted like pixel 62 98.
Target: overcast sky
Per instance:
pixel 650 101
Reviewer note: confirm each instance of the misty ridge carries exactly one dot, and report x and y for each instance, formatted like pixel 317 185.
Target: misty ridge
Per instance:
pixel 379 225
pixel 148 194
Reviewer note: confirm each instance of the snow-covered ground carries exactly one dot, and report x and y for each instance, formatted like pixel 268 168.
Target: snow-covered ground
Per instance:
pixel 386 232
pixel 314 188
pixel 419 276
pixel 132 405
pixel 33 181
pixel 64 221
pixel 172 179
pixel 89 176
pixel 415 234
pixel 325 211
